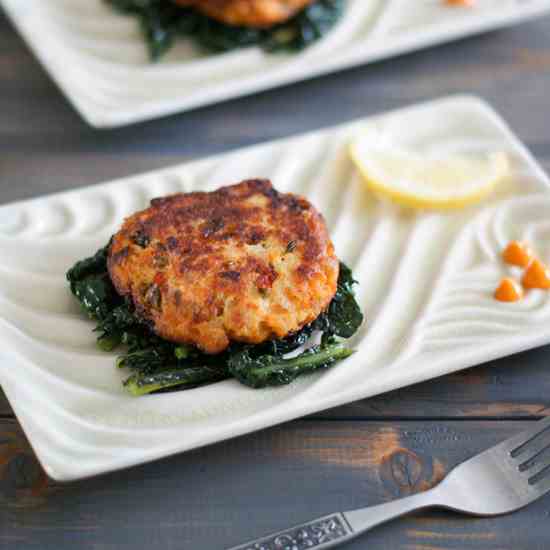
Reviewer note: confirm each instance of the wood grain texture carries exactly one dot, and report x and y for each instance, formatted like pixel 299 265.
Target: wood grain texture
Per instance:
pixel 363 453
pixel 226 494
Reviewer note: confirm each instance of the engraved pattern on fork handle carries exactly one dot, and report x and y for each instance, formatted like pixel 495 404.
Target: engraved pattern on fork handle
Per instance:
pixel 319 534
pixel 335 529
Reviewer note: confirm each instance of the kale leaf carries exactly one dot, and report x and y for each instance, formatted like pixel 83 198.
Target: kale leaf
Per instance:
pixel 90 283
pixel 343 317
pixel 94 265
pixel 178 378
pixel 272 370
pixel 162 21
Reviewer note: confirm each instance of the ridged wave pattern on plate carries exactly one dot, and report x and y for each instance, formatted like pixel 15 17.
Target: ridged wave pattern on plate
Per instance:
pixel 99 58
pixel 426 285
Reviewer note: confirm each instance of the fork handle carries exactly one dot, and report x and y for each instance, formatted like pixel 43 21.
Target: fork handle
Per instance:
pixel 335 529
pixel 321 533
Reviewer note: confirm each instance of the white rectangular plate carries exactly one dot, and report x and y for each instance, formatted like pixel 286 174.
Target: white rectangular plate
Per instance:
pixel 426 285
pixel 99 59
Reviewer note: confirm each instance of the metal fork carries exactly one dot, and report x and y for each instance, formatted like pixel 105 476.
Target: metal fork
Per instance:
pixel 498 481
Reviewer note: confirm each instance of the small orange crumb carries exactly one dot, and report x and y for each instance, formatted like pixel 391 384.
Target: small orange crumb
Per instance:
pixel 518 253
pixel 537 275
pixel 467 3
pixel 508 291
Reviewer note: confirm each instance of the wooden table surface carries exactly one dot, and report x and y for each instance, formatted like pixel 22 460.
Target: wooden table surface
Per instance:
pixel 359 454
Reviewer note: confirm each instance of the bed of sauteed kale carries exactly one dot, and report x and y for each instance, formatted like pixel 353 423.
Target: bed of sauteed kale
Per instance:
pixel 163 22
pixel 159 365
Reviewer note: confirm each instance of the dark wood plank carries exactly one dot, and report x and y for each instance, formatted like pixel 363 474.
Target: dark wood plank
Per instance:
pixel 515 387
pixel 223 495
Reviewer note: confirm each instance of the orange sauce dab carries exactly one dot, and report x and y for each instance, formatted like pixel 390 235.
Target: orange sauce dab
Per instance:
pixel 517 253
pixel 537 275
pixel 508 291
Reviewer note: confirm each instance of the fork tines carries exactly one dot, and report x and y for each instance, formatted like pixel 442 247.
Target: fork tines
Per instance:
pixel 530 451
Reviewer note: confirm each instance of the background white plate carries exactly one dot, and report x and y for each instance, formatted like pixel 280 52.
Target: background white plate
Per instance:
pixel 426 284
pixel 98 57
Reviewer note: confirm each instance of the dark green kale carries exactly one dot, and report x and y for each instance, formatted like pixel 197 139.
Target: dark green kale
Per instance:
pixel 95 296
pixel 272 370
pixel 176 378
pixel 118 326
pixel 159 354
pixel 94 265
pixel 148 360
pixel 343 317
pixel 288 344
pixel 116 321
pixel 162 22
pixel 91 284
pixel 159 365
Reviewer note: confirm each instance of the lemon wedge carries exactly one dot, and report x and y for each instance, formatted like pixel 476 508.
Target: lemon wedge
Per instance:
pixel 418 181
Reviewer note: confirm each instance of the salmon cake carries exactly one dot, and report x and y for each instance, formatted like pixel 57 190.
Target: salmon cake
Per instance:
pixel 248 13
pixel 244 263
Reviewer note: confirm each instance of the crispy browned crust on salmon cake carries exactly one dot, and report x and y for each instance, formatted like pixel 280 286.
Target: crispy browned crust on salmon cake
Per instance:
pixel 248 13
pixel 244 263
